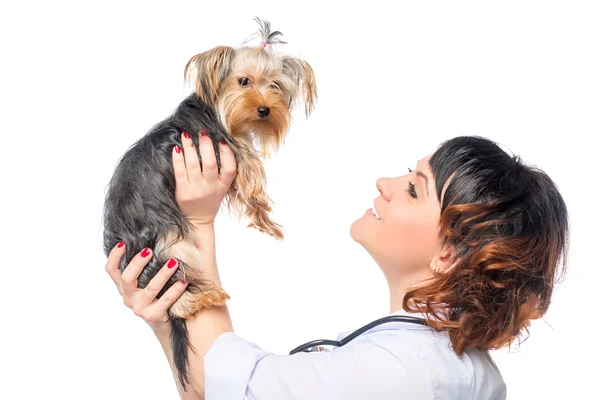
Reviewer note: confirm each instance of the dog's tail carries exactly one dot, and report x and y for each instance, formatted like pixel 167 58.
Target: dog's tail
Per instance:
pixel 187 305
pixel 180 343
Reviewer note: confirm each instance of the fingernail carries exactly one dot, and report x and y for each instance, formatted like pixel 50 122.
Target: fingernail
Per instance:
pixel 145 252
pixel 203 132
pixel 172 263
pixel 187 135
pixel 121 244
pixel 178 149
pixel 184 282
pixel 223 142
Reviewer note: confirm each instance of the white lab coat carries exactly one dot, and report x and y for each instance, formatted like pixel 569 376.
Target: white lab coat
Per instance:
pixel 396 360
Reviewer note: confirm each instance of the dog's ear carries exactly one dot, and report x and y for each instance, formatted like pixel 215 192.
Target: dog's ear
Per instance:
pixel 206 71
pixel 300 70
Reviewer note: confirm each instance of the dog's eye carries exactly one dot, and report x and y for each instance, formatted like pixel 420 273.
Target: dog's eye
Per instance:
pixel 244 81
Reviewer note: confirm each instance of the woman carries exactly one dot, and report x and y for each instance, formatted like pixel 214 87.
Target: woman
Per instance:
pixel 472 240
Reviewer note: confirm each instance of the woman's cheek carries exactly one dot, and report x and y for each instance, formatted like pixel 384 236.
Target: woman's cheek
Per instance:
pixel 412 234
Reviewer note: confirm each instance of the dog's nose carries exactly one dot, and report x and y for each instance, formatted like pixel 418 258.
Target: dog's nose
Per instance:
pixel 263 111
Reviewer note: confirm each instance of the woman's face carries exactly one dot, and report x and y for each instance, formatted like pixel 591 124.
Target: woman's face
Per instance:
pixel 405 239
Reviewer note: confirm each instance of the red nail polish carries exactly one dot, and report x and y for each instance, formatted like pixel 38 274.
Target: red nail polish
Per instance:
pixel 172 263
pixel 187 135
pixel 203 132
pixel 177 149
pixel 223 142
pixel 184 282
pixel 145 252
pixel 121 244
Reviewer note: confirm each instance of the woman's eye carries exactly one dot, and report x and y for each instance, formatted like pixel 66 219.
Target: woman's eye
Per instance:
pixel 274 85
pixel 244 81
pixel 411 189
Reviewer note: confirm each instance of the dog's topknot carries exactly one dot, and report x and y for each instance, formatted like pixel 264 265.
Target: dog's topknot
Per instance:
pixel 266 36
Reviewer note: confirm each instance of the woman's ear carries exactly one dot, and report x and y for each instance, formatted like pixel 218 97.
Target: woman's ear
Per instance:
pixel 443 262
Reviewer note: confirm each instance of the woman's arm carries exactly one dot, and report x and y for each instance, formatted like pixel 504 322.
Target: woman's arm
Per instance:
pixel 199 190
pixel 204 327
pixel 163 334
pixel 207 324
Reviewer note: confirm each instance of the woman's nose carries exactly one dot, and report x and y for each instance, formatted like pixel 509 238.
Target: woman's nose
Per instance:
pixel 383 185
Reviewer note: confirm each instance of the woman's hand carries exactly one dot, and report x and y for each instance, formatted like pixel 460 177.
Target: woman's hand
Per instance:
pixel 200 188
pixel 143 302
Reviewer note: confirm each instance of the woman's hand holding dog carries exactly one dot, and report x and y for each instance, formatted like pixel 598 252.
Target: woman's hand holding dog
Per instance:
pixel 143 302
pixel 200 187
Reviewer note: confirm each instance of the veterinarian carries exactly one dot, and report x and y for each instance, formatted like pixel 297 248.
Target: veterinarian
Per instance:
pixel 471 241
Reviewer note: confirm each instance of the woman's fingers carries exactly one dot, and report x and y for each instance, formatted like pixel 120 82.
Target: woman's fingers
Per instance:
pixel 199 193
pixel 190 154
pixel 189 170
pixel 112 264
pixel 132 271
pixel 143 302
pixel 181 175
pixel 209 160
pixel 160 306
pixel 228 164
pixel 160 279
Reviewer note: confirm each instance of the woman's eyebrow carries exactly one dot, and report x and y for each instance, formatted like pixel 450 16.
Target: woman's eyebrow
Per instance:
pixel 422 175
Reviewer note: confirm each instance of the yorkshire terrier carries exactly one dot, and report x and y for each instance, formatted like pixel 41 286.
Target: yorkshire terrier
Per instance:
pixel 243 96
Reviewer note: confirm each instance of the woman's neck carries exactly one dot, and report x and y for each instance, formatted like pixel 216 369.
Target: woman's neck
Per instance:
pixel 401 285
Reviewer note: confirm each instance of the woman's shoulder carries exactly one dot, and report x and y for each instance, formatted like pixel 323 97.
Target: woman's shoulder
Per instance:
pixel 431 357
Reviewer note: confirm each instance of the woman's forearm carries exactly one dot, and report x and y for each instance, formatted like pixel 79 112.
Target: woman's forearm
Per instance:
pixel 203 327
pixel 163 335
pixel 208 323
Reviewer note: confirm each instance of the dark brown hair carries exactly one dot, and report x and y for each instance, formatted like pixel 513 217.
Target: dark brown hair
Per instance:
pixel 508 226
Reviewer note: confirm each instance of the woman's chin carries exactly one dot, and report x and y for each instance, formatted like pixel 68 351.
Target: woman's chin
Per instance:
pixel 358 230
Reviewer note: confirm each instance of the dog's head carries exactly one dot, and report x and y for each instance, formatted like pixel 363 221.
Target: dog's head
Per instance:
pixel 252 88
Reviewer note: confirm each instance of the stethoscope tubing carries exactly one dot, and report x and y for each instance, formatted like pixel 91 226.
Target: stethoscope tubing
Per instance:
pixel 307 347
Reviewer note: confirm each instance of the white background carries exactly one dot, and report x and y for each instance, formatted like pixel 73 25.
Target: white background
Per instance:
pixel 81 81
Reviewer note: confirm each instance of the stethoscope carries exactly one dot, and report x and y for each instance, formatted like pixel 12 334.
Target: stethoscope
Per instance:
pixel 316 345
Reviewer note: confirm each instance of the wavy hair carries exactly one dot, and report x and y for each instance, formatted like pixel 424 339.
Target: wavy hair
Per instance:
pixel 508 226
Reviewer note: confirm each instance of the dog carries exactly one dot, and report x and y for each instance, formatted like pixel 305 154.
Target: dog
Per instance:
pixel 243 96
